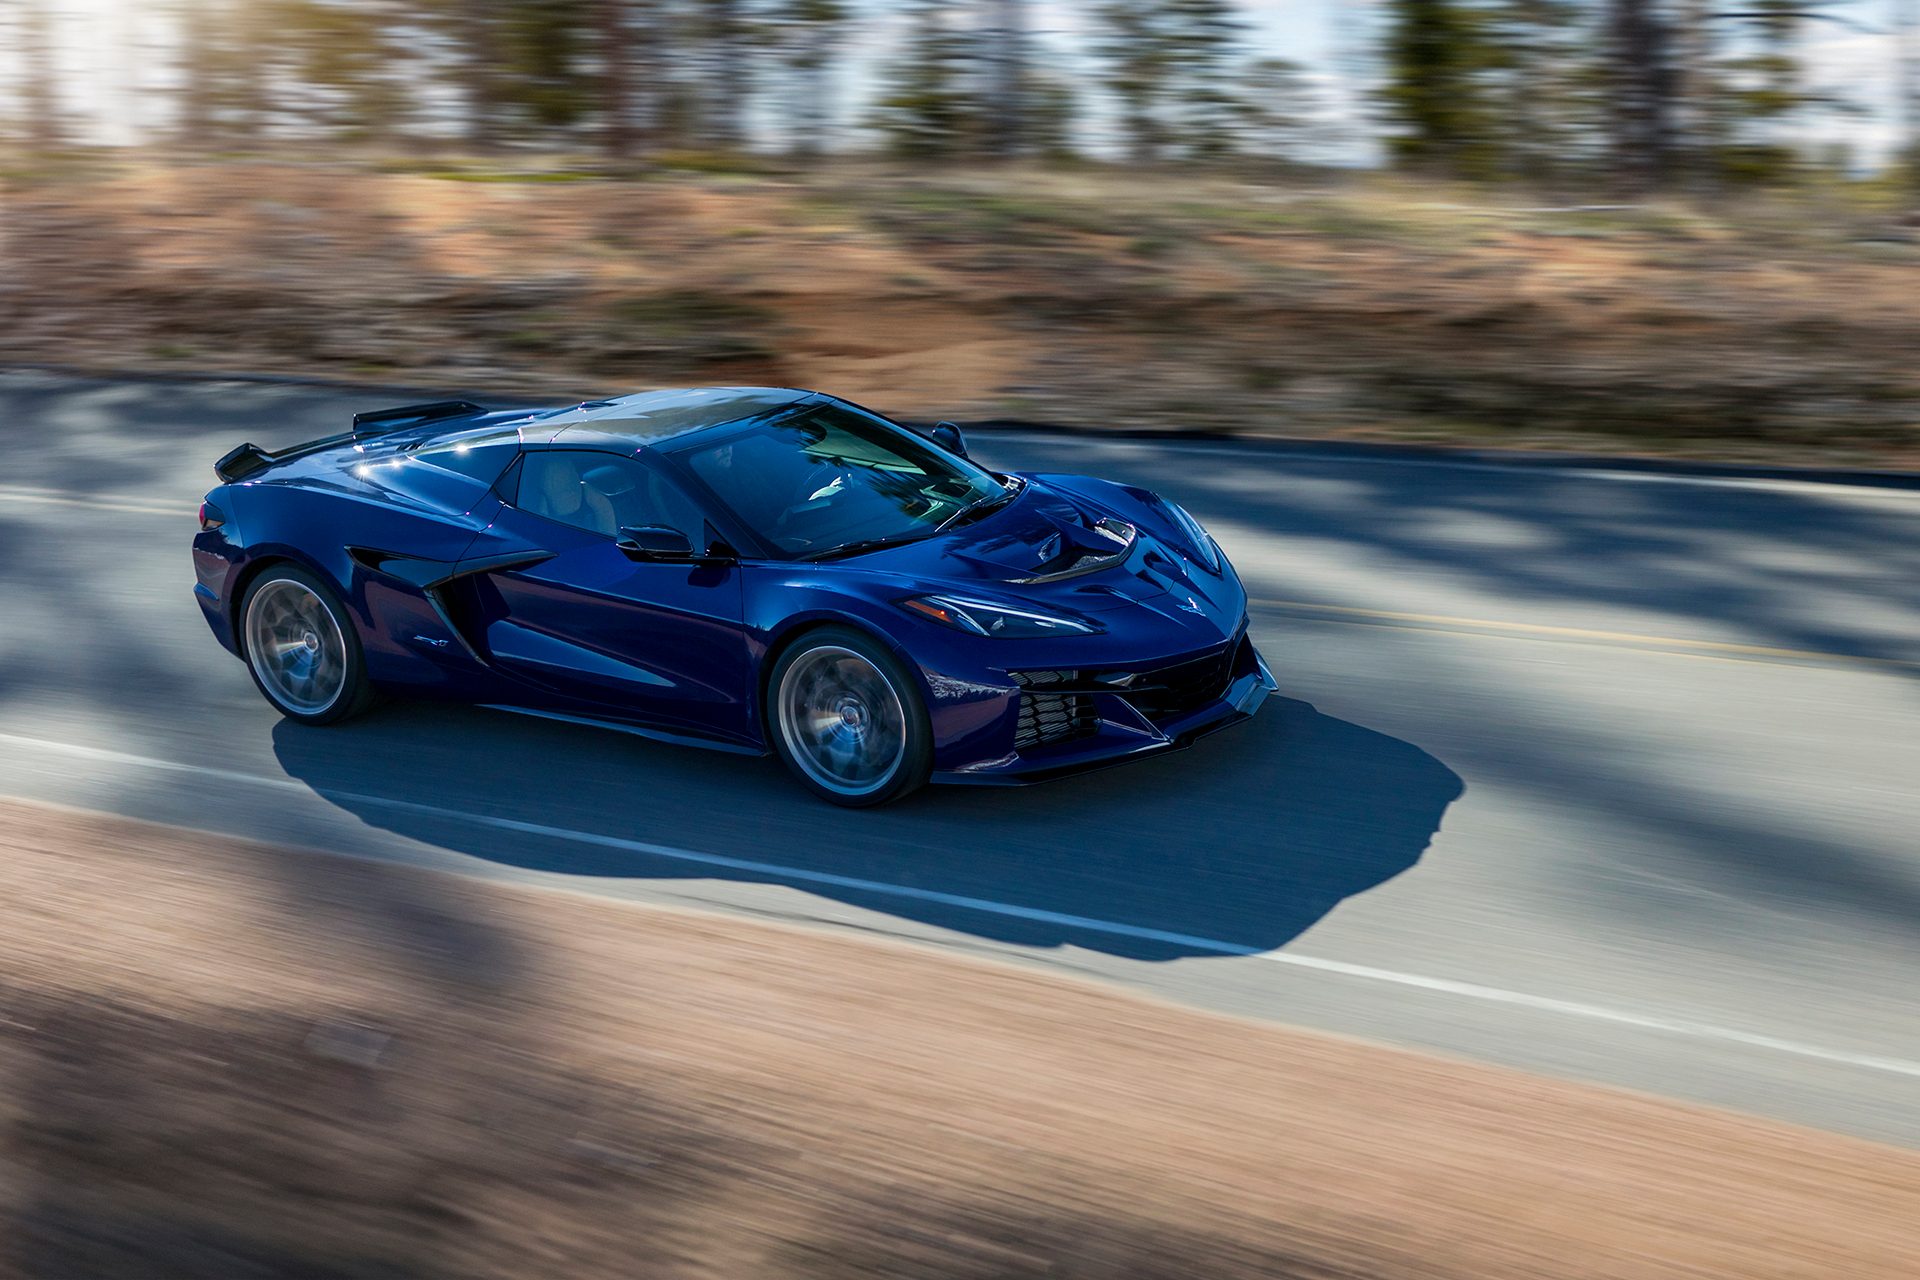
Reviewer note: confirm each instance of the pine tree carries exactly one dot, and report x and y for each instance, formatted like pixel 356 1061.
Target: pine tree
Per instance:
pixel 1006 98
pixel 929 110
pixel 1642 90
pixel 229 52
pixel 1545 94
pixel 727 30
pixel 476 28
pixel 1907 33
pixel 1208 60
pixel 1763 88
pixel 1138 69
pixel 1279 107
pixel 806 43
pixel 615 40
pixel 1698 135
pixel 1176 67
pixel 1051 111
pixel 344 67
pixel 39 80
pixel 1438 97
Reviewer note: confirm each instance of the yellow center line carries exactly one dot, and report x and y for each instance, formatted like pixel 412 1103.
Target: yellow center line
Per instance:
pixel 1674 645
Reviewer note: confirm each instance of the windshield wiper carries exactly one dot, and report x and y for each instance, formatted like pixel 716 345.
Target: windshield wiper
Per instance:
pixel 864 545
pixel 980 507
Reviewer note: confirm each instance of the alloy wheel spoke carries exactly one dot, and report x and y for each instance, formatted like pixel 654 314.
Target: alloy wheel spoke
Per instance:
pixel 842 719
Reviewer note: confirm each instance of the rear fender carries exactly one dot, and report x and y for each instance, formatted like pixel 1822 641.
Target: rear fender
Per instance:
pixel 397 622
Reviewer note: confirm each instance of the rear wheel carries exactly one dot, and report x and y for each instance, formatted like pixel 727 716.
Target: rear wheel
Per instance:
pixel 302 649
pixel 847 719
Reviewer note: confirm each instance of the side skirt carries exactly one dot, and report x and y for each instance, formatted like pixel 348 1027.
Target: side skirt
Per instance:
pixel 638 731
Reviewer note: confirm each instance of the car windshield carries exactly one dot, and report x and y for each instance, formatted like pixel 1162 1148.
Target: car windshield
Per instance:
pixel 831 477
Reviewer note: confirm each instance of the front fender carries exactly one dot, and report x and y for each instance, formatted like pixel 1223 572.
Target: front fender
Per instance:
pixel 965 702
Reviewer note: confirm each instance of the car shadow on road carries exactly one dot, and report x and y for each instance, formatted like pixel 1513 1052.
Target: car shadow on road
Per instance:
pixel 1238 845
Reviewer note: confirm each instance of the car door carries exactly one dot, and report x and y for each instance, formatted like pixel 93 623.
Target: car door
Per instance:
pixel 598 631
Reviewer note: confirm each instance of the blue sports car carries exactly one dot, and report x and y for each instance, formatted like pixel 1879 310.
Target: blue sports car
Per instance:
pixel 747 568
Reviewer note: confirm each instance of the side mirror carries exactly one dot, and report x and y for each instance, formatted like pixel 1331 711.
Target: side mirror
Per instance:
pixel 947 436
pixel 656 543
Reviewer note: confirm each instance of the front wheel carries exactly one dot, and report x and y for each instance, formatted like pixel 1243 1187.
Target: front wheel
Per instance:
pixel 302 649
pixel 847 719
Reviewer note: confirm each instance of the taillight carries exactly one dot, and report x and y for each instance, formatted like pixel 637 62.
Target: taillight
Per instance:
pixel 211 517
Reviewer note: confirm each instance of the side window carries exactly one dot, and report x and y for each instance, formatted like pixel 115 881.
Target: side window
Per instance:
pixel 604 493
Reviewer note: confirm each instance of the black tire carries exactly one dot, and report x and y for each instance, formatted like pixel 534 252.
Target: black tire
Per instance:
pixel 859 667
pixel 307 615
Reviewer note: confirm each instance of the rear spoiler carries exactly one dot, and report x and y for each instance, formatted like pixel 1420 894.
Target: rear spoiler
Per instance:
pixel 249 458
pixel 407 414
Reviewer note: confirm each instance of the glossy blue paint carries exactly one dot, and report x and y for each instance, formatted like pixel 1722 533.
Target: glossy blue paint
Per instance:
pixel 458 593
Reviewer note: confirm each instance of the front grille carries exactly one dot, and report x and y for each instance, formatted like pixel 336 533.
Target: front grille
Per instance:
pixel 1173 691
pixel 1058 706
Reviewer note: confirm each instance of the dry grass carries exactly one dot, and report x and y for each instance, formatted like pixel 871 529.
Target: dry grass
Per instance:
pixel 223 1059
pixel 1773 328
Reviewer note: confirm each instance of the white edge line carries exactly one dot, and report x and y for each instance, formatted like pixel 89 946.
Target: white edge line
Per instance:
pixel 101 504
pixel 1367 973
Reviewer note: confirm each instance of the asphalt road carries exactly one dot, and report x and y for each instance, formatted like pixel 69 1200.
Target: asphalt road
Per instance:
pixel 1614 777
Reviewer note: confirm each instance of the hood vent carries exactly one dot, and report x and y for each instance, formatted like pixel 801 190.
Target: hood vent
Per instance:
pixel 1109 542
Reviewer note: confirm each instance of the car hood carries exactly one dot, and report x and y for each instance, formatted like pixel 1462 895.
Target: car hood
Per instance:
pixel 1056 525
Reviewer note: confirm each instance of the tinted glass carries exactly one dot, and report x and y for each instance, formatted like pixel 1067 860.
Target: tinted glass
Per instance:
pixel 604 493
pixel 828 476
pixel 655 415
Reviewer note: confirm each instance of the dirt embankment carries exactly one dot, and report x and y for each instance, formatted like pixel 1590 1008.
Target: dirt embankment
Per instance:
pixel 223 1059
pixel 1764 328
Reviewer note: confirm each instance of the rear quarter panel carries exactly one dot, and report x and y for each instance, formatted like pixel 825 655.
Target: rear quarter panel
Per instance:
pixel 317 524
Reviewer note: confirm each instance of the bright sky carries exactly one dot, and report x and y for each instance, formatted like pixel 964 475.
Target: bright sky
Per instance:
pixel 101 42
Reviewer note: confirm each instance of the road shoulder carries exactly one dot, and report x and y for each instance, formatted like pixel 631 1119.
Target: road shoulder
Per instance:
pixel 213 1049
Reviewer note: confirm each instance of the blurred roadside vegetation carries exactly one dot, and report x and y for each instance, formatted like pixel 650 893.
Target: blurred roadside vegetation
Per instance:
pixel 1548 224
pixel 1779 326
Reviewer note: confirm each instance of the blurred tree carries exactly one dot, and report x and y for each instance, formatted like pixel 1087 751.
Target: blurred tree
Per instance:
pixel 475 29
pixel 1741 85
pixel 42 117
pixel 349 61
pixel 1764 89
pixel 1006 98
pixel 1051 115
pixel 1641 88
pixel 1280 109
pixel 1438 94
pixel 1698 135
pixel 658 107
pixel 1177 68
pixel 728 30
pixel 616 67
pixel 1209 58
pixel 929 109
pixel 1907 91
pixel 1138 68
pixel 1544 91
pixel 229 54
pixel 523 69
pixel 807 41
pixel 547 89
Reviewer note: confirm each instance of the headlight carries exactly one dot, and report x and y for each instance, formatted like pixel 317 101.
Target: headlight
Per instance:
pixel 1202 541
pixel 983 618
